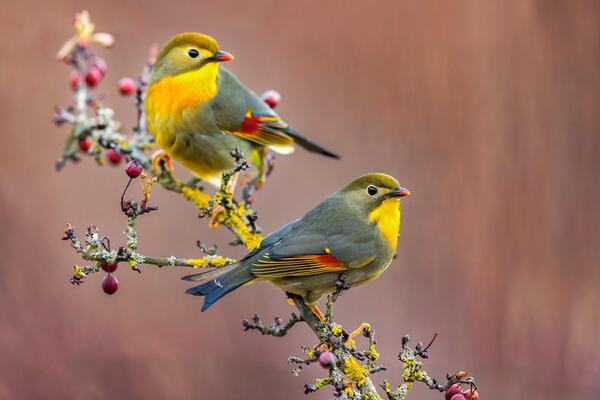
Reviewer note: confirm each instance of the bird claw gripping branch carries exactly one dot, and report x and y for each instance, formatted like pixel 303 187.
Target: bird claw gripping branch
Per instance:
pixel 94 132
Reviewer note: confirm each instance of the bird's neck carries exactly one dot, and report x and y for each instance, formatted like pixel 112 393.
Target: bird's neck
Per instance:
pixel 387 218
pixel 174 94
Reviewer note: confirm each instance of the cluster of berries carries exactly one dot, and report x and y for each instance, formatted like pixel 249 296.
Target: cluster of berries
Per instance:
pixel 455 393
pixel 110 283
pixel 113 156
pixel 94 74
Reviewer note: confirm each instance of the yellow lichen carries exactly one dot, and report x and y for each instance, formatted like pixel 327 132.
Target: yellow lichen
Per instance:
pixel 199 198
pixel 336 330
pixel 208 261
pixel 348 391
pixel 372 354
pixel 77 272
pixel 354 371
pixel 412 371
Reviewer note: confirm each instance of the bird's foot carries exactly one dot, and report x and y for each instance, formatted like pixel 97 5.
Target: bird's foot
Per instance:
pixel 161 159
pixel 317 313
pixel 290 301
pixel 216 219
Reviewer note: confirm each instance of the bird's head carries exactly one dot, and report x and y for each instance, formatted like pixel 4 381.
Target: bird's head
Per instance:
pixel 186 52
pixel 369 192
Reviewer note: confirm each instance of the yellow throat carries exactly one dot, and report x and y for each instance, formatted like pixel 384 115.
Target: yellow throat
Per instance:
pixel 174 94
pixel 387 218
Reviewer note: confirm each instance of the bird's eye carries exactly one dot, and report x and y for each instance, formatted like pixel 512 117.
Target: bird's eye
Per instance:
pixel 372 190
pixel 193 53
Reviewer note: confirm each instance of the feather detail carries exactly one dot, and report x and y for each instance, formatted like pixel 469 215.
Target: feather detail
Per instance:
pixel 302 265
pixel 264 129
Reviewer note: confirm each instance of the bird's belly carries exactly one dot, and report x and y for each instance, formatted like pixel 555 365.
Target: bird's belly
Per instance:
pixel 205 154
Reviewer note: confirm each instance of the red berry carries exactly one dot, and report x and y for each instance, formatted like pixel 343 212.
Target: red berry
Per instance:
pixel 109 267
pixel 471 394
pixel 454 389
pixel 110 284
pixel 133 169
pixel 85 144
pixel 100 64
pixel 327 360
pixel 271 97
pixel 113 156
pixel 126 86
pixel 93 76
pixel 74 79
pixel 458 396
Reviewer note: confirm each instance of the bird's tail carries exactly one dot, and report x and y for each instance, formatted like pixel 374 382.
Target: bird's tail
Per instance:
pixel 308 144
pixel 217 283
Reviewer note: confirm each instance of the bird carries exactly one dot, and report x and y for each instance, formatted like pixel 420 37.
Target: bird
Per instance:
pixel 198 112
pixel 353 231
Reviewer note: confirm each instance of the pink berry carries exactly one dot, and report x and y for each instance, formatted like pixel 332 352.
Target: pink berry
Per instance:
pixel 327 360
pixel 93 76
pixel 100 64
pixel 133 169
pixel 109 267
pixel 458 396
pixel 74 80
pixel 110 284
pixel 471 394
pixel 113 156
pixel 85 144
pixel 126 86
pixel 271 97
pixel 454 389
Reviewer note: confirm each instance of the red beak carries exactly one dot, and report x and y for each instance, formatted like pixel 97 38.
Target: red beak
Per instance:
pixel 221 56
pixel 399 192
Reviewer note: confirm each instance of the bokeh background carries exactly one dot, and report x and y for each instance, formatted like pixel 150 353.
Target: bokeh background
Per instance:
pixel 486 111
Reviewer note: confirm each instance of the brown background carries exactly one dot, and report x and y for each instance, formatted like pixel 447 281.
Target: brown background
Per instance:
pixel 486 111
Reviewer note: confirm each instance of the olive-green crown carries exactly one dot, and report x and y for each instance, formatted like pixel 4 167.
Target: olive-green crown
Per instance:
pixel 192 39
pixel 376 179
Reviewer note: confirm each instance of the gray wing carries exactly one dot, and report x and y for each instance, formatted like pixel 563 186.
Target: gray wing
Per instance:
pixel 239 111
pixel 323 232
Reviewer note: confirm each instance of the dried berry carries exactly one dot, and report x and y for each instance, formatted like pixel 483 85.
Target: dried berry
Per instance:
pixel 74 80
pixel 109 267
pixel 93 76
pixel 110 284
pixel 133 169
pixel 85 144
pixel 454 389
pixel 327 360
pixel 126 86
pixel 271 97
pixel 113 156
pixel 471 394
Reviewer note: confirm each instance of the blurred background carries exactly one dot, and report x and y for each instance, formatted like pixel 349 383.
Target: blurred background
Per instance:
pixel 486 111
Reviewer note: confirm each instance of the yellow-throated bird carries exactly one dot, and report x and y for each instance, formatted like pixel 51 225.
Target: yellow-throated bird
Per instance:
pixel 198 112
pixel 354 231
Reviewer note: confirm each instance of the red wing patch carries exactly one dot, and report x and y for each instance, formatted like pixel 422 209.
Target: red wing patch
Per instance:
pixel 304 265
pixel 265 129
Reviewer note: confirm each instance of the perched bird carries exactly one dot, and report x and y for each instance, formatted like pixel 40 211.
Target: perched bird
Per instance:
pixel 198 112
pixel 353 231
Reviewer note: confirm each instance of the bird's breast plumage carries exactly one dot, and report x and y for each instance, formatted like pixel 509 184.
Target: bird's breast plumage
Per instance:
pixel 172 98
pixel 387 218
